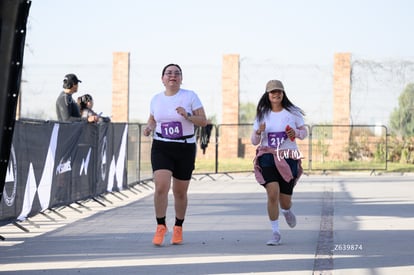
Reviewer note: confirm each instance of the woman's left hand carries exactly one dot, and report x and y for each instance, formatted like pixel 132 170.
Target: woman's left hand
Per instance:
pixel 181 111
pixel 290 133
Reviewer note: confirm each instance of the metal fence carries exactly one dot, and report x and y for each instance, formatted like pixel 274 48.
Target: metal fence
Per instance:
pixel 229 150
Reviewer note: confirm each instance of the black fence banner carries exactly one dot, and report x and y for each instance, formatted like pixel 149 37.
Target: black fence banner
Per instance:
pixel 54 164
pixel 117 174
pixel 33 146
pixel 103 158
pixel 64 162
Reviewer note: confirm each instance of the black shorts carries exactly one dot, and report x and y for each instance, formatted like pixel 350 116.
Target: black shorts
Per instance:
pixel 271 174
pixel 177 157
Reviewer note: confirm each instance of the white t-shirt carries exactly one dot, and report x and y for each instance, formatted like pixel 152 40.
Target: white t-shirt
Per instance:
pixel 169 122
pixel 275 132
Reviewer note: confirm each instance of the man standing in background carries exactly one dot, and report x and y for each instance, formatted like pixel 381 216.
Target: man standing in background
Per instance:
pixel 67 109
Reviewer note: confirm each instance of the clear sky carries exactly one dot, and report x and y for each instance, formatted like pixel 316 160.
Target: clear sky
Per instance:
pixel 80 36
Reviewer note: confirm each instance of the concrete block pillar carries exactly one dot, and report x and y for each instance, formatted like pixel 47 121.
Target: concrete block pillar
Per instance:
pixel 120 87
pixel 341 105
pixel 342 89
pixel 230 109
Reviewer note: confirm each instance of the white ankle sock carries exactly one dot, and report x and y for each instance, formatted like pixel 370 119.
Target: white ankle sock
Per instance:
pixel 275 225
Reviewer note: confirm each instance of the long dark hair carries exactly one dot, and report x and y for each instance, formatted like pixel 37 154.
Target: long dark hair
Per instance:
pixel 264 106
pixel 83 100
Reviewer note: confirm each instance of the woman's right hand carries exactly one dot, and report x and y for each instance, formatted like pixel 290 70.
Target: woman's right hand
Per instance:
pixel 147 131
pixel 92 119
pixel 262 128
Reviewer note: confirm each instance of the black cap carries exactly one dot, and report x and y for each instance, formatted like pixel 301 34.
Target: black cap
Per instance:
pixel 70 80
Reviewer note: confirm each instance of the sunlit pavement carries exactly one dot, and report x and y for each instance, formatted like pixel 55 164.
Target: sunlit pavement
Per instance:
pixel 349 223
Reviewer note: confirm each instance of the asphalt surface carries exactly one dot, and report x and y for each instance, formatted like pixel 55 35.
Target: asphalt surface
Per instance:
pixel 346 224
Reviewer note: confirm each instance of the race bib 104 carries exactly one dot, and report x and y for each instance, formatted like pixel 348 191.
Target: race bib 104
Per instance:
pixel 173 129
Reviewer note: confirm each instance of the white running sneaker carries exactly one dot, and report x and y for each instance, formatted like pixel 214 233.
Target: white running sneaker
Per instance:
pixel 290 218
pixel 275 240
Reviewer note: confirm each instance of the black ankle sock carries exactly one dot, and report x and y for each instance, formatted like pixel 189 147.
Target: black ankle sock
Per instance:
pixel 178 222
pixel 161 220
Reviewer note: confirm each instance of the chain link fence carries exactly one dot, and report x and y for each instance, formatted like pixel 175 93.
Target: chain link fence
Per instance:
pixel 327 147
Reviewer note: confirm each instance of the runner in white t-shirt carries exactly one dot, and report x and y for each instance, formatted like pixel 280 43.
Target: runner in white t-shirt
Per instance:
pixel 173 115
pixel 277 164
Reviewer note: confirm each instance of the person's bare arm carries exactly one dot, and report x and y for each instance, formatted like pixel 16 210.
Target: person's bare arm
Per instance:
pixel 198 117
pixel 151 124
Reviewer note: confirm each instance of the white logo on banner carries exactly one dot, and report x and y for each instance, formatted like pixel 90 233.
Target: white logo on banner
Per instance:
pixel 103 158
pixel 116 168
pixel 45 185
pixel 63 166
pixel 11 178
pixel 85 163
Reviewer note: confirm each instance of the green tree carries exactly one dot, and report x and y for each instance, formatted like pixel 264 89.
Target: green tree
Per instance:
pixel 402 118
pixel 247 112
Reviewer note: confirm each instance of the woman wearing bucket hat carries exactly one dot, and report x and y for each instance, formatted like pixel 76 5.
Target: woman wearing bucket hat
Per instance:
pixel 277 164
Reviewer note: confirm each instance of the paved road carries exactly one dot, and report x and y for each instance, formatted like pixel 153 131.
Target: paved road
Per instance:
pixel 347 224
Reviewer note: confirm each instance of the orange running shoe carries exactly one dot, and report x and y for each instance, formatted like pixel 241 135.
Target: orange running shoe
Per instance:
pixel 159 234
pixel 177 237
